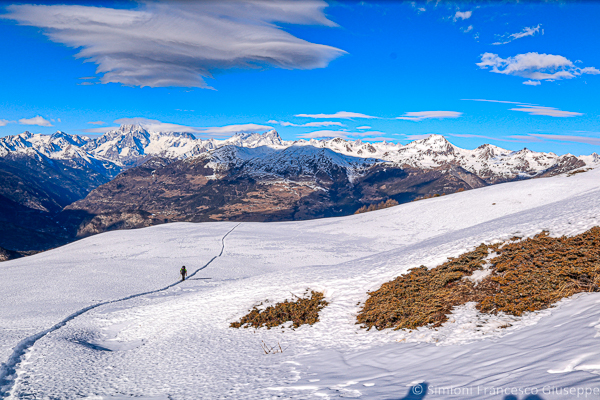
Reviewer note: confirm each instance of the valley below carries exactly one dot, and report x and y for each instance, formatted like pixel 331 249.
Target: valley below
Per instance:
pixel 61 188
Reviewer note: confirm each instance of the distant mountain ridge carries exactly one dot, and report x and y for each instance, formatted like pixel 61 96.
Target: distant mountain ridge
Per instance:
pixel 130 145
pixel 60 186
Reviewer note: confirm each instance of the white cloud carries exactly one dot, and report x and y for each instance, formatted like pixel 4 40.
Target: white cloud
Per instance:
pixel 569 138
pixel 3 122
pixel 534 66
pixel 339 114
pixel 527 31
pixel 532 83
pixel 462 15
pixel 37 120
pixel 231 129
pixel 363 127
pixel 499 101
pixel 155 125
pixel 417 137
pixel 309 124
pixel 97 123
pixel 547 111
pixel 182 43
pixel 379 139
pixel 467 29
pixel 158 126
pixel 588 70
pixel 324 133
pixel 421 115
pixel 341 134
pixel 100 130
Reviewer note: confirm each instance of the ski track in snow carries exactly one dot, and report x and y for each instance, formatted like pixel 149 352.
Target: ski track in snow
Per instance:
pixel 8 373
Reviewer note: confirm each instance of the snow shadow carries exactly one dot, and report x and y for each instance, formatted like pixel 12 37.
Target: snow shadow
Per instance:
pixel 416 392
pixel 530 397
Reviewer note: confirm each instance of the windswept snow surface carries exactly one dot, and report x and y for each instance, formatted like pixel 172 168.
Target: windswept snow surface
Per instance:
pixel 176 343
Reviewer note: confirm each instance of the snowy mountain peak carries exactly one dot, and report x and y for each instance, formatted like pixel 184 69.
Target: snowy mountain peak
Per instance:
pixel 132 144
pixel 433 142
pixel 131 128
pixel 270 138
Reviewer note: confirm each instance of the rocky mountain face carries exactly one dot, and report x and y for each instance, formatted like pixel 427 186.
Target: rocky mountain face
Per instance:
pixel 55 188
pixel 256 184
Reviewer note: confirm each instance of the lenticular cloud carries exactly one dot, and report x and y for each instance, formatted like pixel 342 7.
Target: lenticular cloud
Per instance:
pixel 180 44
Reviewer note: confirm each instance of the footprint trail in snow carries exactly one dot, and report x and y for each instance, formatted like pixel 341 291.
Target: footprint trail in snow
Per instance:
pixel 8 370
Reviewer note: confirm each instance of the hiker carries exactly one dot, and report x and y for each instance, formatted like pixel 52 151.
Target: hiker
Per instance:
pixel 183 273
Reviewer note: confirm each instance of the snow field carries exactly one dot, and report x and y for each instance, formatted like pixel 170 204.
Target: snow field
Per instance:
pixel 176 344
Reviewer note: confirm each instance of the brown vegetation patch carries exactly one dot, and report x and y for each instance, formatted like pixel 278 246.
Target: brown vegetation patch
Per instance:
pixel 423 296
pixel 375 207
pixel 526 275
pixel 305 310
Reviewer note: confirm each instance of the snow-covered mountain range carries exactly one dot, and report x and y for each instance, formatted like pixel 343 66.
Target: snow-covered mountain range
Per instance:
pixel 131 145
pixel 54 188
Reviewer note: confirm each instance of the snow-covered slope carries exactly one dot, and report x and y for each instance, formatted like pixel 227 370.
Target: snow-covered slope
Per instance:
pixel 66 334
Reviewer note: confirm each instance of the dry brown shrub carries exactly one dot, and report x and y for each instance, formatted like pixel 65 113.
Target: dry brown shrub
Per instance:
pixel 532 274
pixel 380 206
pixel 526 275
pixel 305 310
pixel 423 296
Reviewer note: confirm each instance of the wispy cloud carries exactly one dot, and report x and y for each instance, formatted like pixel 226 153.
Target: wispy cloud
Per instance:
pixel 155 125
pixel 565 138
pixel 37 120
pixel 97 123
pixel 534 66
pixel 363 127
pixel 527 31
pixel 468 135
pixel 308 124
pixel 547 111
pixel 326 133
pixel 182 43
pixel 231 129
pixel 417 137
pixel 4 122
pixel 532 83
pixel 421 115
pixel 379 139
pixel 534 109
pixel 498 101
pixel 462 15
pixel 338 115
pixel 99 130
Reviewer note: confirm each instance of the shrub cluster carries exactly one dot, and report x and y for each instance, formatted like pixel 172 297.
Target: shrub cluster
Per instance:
pixel 424 296
pixel 305 310
pixel 379 206
pixel 526 275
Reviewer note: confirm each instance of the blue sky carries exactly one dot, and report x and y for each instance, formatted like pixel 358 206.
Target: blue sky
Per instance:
pixel 393 70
